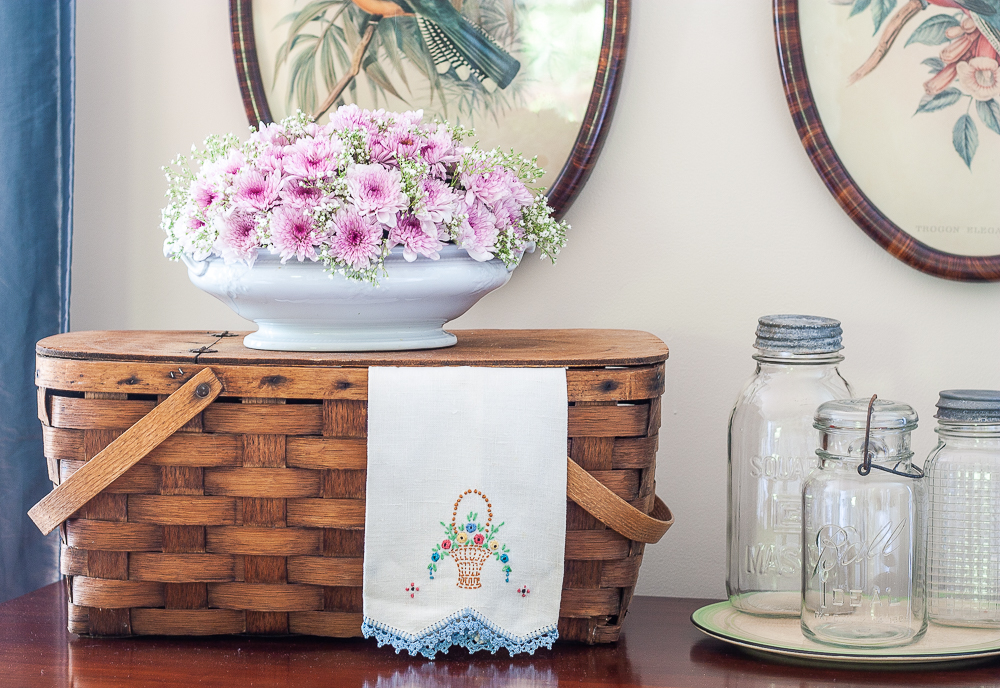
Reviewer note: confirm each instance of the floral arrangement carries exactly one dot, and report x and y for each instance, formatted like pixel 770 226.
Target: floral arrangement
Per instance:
pixel 470 534
pixel 348 192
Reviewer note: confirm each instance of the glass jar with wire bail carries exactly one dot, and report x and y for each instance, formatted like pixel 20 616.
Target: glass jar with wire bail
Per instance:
pixel 864 510
pixel 963 525
pixel 772 448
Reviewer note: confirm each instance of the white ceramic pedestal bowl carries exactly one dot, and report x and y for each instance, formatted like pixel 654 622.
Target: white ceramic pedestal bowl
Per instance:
pixel 299 307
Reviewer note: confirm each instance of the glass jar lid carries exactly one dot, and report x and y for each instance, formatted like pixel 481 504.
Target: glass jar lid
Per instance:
pixel 969 406
pixel 799 334
pixel 852 415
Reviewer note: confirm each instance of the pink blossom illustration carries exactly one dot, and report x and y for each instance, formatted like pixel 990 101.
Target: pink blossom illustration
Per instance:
pixel 980 77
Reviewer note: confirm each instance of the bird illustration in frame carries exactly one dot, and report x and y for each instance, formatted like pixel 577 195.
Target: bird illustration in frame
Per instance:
pixel 465 62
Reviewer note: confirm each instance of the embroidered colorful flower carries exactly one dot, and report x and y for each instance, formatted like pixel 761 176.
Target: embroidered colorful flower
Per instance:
pixel 416 185
pixel 504 558
pixel 446 544
pixel 435 556
pixel 461 538
pixel 471 527
pixel 478 538
pixel 494 545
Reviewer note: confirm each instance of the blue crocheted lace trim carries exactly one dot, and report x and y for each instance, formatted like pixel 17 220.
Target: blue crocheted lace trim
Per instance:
pixel 467 628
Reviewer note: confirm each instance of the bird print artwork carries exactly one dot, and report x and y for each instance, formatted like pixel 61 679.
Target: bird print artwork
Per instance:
pixel 449 54
pixel 964 71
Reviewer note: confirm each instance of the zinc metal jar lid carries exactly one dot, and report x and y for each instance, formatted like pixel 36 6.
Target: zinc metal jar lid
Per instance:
pixel 799 334
pixel 852 415
pixel 969 406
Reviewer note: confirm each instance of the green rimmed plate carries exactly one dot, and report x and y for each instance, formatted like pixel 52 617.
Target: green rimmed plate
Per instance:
pixel 784 637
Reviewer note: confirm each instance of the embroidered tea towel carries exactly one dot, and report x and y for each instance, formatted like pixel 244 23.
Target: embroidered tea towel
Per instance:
pixel 465 517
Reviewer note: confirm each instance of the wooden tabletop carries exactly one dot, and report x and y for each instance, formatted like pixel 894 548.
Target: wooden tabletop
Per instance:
pixel 659 647
pixel 504 348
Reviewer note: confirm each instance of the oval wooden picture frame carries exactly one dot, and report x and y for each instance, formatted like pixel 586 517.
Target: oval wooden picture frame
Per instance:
pixel 593 130
pixel 838 180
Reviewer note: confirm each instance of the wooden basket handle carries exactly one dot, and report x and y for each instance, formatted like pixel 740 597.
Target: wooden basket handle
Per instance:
pixel 119 456
pixel 612 510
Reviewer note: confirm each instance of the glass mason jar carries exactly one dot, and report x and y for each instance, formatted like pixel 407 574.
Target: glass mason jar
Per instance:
pixel 863 576
pixel 772 448
pixel 963 525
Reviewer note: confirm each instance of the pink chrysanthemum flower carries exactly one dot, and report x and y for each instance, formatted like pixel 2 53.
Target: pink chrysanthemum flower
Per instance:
pixel 272 134
pixel 507 212
pixel 256 190
pixel 377 190
pixel 237 238
pixel 204 194
pixel 235 162
pixel 380 147
pixel 296 192
pixel 410 118
pixel 293 234
pixel 314 157
pixel 406 143
pixel 439 151
pixel 401 142
pixel 358 239
pixel 194 224
pixel 478 234
pixel 493 186
pixel 437 206
pixel 349 116
pixel 269 161
pixel 414 239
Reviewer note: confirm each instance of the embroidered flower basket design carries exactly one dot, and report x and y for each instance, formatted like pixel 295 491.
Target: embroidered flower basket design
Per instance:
pixel 471 543
pixel 470 560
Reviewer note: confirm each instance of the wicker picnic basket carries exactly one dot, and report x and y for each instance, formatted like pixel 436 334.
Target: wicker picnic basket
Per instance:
pixel 205 488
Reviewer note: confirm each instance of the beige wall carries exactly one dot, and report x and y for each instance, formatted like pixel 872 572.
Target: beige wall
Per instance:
pixel 702 214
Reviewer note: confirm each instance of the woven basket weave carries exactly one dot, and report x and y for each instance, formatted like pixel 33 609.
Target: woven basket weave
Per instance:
pixel 250 518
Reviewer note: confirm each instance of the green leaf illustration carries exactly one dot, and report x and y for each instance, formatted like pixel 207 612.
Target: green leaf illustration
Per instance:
pixel 935 63
pixel 860 6
pixel 965 138
pixel 881 10
pixel 932 31
pixel 947 97
pixel 989 113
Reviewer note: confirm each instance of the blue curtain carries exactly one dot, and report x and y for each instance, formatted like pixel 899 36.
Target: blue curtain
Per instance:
pixel 36 192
